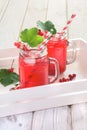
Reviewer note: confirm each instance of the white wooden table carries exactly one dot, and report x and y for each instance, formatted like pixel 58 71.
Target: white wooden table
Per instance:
pixel 16 15
pixel 72 117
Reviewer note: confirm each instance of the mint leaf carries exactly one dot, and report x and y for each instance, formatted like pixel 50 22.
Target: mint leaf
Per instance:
pixel 53 31
pixel 23 35
pixel 48 25
pixel 41 24
pixel 7 78
pixel 36 40
pixel 31 37
pixel 27 34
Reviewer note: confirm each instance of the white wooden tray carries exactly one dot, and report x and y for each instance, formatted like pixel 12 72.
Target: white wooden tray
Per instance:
pixel 43 97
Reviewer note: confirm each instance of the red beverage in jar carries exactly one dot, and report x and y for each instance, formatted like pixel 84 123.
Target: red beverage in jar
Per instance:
pixel 33 70
pixel 57 48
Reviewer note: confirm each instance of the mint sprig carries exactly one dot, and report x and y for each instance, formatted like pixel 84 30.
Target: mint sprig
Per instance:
pixel 7 77
pixel 48 26
pixel 31 37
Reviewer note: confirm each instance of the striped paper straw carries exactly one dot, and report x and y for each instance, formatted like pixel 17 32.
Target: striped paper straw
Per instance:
pixel 59 34
pixel 69 22
pixel 63 32
pixel 44 43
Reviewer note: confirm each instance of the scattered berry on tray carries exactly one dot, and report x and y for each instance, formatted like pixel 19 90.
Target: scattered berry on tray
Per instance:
pixel 69 78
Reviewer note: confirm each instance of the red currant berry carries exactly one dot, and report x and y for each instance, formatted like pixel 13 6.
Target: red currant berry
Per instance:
pixel 25 48
pixel 18 44
pixel 40 32
pixel 74 75
pixel 69 78
pixel 11 70
pixel 60 80
pixel 64 79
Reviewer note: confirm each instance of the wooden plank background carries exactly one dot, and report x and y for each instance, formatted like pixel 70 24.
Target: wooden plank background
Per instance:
pixel 16 15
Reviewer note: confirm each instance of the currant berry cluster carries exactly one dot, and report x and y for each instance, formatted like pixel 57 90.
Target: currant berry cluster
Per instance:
pixel 69 78
pixel 43 33
pixel 20 45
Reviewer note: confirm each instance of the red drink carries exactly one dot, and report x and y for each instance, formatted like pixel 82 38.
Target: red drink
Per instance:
pixel 33 71
pixel 33 68
pixel 57 49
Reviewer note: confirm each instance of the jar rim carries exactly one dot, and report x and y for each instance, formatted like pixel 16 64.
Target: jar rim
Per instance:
pixel 33 53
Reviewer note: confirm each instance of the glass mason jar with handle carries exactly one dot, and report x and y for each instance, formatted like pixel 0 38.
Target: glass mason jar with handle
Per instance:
pixel 63 51
pixel 34 67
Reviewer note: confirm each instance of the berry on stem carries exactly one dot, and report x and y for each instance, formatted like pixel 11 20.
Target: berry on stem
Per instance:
pixel 24 47
pixel 11 70
pixel 40 32
pixel 18 44
pixel 43 33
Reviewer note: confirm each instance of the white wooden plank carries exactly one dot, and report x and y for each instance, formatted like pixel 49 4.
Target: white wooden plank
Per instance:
pixel 62 118
pixel 78 28
pixel 57 13
pixel 45 119
pixel 52 119
pixel 11 22
pixel 16 122
pixel 39 116
pixel 3 7
pixel 36 10
pixel 79 117
pixel 41 104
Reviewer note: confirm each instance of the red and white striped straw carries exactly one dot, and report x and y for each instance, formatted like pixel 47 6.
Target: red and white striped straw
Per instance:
pixel 44 43
pixel 69 22
pixel 63 32
pixel 59 34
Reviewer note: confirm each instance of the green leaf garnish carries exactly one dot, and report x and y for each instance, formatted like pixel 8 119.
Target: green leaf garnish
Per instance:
pixel 41 25
pixel 31 37
pixel 48 25
pixel 7 78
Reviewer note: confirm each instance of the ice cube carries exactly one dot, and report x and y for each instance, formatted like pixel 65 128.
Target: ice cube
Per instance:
pixel 30 61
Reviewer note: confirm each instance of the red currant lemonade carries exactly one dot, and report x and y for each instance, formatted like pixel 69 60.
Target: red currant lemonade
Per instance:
pixel 57 49
pixel 33 69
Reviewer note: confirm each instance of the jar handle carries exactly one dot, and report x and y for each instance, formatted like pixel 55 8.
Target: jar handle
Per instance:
pixel 57 71
pixel 71 53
